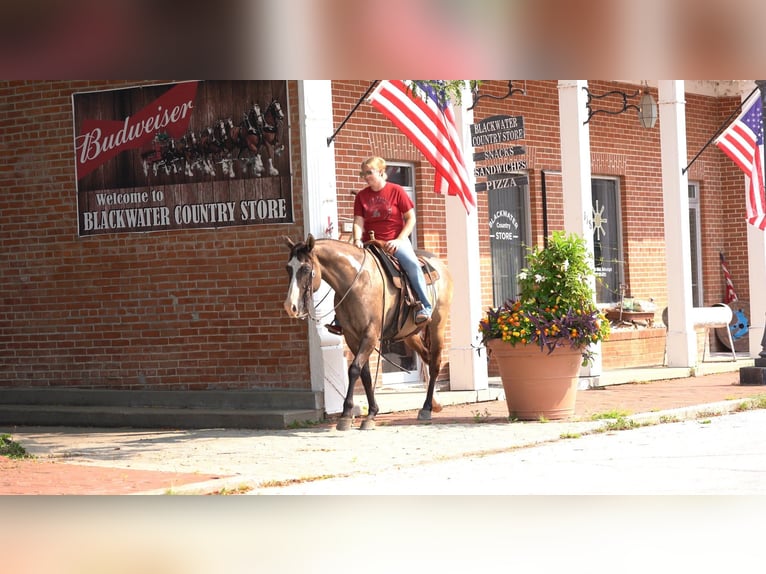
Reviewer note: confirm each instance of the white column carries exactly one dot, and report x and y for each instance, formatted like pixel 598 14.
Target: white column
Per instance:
pixel 576 176
pixel 468 370
pixel 320 217
pixel 681 340
pixel 756 267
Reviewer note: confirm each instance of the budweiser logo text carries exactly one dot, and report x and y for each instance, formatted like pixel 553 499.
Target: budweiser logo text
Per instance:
pixel 101 140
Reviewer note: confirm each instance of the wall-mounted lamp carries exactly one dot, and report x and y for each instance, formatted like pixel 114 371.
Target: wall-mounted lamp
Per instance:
pixel 646 108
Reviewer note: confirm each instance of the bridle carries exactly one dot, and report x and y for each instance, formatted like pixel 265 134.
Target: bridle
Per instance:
pixel 312 275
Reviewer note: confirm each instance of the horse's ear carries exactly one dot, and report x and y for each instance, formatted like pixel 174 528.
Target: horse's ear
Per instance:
pixel 310 242
pixel 288 241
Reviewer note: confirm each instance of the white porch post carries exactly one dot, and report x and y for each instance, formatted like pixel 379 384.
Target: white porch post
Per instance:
pixel 681 339
pixel 468 370
pixel 576 176
pixel 320 217
pixel 756 267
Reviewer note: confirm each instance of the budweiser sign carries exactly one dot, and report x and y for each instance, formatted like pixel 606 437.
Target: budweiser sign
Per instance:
pixel 101 140
pixel 187 155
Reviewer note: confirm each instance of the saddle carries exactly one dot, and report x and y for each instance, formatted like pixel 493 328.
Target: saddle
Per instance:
pixel 400 280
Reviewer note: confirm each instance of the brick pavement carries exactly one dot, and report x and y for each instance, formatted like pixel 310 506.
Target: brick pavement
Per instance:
pixel 59 477
pixel 36 476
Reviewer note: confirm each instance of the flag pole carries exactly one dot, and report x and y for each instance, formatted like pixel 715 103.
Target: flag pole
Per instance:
pixel 343 123
pixel 725 123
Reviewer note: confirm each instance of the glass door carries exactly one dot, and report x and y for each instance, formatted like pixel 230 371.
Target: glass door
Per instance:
pixel 400 365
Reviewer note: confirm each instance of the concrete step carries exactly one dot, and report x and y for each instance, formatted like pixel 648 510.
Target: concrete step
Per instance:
pixel 154 417
pixel 159 409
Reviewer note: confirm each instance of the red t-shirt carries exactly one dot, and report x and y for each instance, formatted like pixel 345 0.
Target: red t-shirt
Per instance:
pixel 382 211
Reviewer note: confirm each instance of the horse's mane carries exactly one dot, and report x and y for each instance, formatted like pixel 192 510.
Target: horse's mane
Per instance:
pixel 304 248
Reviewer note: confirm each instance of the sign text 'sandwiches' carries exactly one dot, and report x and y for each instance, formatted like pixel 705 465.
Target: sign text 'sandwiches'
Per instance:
pixel 186 155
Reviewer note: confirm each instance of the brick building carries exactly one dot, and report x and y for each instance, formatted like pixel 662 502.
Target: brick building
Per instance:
pixel 199 308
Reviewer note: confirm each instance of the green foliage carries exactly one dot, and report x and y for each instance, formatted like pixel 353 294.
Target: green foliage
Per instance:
pixel 449 90
pixel 558 275
pixel 11 448
pixel 556 306
pixel 609 415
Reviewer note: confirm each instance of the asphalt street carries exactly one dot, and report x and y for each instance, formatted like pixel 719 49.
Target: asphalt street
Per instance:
pixel 715 455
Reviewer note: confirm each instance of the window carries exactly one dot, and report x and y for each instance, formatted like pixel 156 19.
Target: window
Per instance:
pixel 508 239
pixel 607 239
pixel 694 244
pixel 404 174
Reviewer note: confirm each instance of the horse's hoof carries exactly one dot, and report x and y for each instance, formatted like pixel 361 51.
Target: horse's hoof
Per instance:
pixel 344 423
pixel 436 407
pixel 367 424
pixel 424 415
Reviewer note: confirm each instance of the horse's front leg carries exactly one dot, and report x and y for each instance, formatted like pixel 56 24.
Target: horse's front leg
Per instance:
pixel 358 369
pixel 369 421
pixel 347 416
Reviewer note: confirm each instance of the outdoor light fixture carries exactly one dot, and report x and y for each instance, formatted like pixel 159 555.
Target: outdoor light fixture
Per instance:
pixel 646 108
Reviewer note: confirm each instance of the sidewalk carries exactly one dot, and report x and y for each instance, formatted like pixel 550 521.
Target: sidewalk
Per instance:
pixel 135 461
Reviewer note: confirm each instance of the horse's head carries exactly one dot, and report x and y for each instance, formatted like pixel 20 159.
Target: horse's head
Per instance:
pixel 305 277
pixel 255 116
pixel 275 110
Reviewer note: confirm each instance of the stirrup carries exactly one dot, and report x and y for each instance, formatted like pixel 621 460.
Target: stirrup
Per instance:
pixel 421 316
pixel 334 328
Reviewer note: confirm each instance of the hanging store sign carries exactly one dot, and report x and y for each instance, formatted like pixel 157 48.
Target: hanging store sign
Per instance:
pixel 199 154
pixel 500 153
pixel 496 130
pixel 502 181
pixel 500 169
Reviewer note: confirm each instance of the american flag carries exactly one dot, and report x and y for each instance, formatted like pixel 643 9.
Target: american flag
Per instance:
pixel 429 123
pixel 730 295
pixel 742 141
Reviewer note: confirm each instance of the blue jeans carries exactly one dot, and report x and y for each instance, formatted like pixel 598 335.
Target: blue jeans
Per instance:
pixel 409 262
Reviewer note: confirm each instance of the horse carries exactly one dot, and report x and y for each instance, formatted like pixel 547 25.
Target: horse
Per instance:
pixel 367 307
pixel 244 137
pixel 267 131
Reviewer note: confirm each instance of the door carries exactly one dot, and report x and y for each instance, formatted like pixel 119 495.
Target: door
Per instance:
pixel 400 365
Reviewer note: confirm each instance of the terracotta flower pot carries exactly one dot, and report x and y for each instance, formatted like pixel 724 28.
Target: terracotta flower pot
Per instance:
pixel 537 384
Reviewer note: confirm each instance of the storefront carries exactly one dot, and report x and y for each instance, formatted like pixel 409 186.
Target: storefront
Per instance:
pixel 162 267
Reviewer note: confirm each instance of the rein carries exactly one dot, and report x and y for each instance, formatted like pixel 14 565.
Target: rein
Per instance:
pixel 316 319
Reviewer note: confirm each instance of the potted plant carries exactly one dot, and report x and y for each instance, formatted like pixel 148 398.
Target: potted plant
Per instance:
pixel 541 339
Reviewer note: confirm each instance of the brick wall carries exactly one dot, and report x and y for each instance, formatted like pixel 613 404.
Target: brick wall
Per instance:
pixel 186 309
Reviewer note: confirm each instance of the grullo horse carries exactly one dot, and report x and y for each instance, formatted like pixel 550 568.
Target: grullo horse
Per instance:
pixel 367 308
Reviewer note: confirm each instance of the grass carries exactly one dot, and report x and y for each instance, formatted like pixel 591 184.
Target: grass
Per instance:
pixel 481 417
pixel 669 419
pixel 290 481
pixel 758 402
pixel 609 415
pixel 620 423
pixel 618 420
pixel 12 449
pixel 241 489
